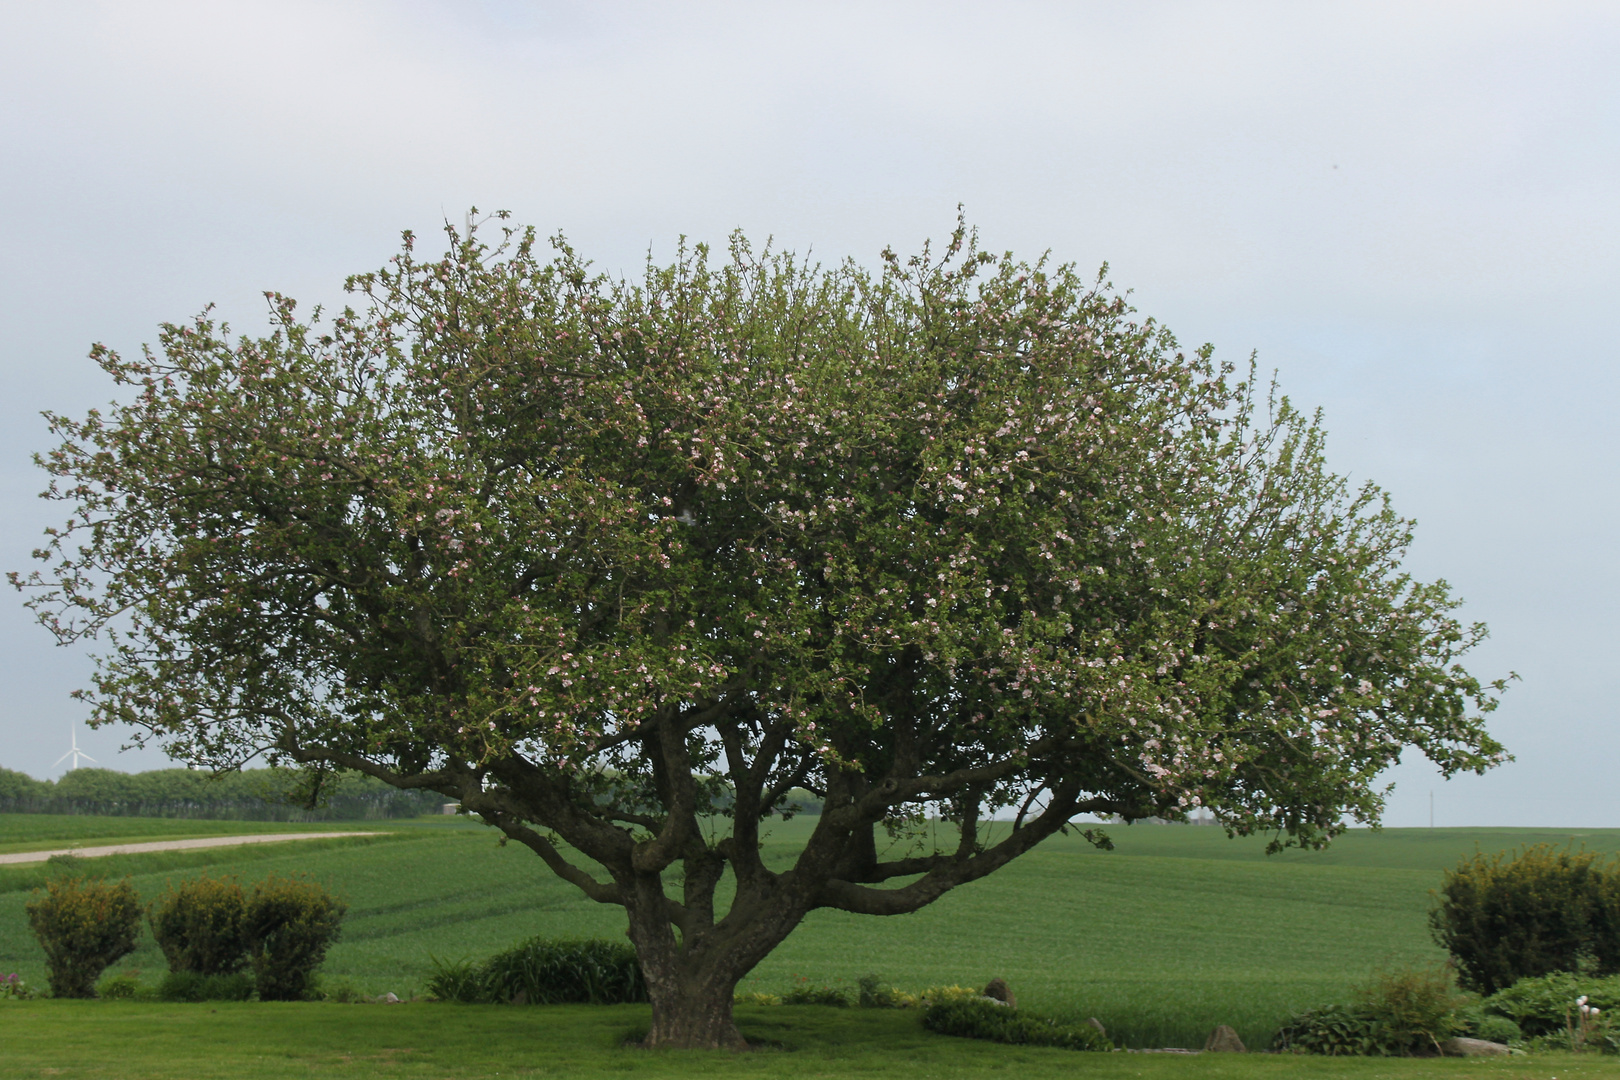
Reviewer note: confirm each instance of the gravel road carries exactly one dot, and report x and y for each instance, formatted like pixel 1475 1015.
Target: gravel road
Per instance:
pixel 174 845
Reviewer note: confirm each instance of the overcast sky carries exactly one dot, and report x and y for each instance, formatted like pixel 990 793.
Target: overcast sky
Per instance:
pixel 1408 210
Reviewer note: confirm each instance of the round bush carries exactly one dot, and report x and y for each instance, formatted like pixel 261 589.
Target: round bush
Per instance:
pixel 84 925
pixel 289 923
pixel 198 925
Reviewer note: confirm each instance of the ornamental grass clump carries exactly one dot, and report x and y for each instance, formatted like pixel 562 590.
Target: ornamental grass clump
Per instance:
pixel 84 925
pixel 545 971
pixel 288 924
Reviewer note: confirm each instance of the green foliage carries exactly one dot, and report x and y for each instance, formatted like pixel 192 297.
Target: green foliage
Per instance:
pixel 118 987
pixel 985 1019
pixel 84 925
pixel 1497 1029
pixel 341 991
pixel 288 924
pixel 805 992
pixel 872 993
pixel 191 986
pixel 1413 1008
pixel 14 988
pixel 1545 1004
pixel 1334 1030
pixel 1541 910
pixel 199 926
pixel 545 971
pixel 1398 1012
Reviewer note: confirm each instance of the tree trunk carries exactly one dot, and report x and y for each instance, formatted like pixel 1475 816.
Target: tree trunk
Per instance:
pixel 693 1014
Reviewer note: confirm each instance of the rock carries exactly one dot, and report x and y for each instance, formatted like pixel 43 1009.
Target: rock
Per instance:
pixel 1460 1047
pixel 1224 1040
pixel 1096 1023
pixel 999 991
pixel 390 998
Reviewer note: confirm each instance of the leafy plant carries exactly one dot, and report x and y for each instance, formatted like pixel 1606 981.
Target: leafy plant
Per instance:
pixel 806 993
pixel 1412 1009
pixel 545 971
pixel 986 1019
pixel 84 925
pixel 118 987
pixel 13 988
pixel 288 924
pixel 1519 915
pixel 755 998
pixel 456 980
pixel 199 926
pixel 191 986
pixel 1541 1006
pixel 872 993
pixel 1334 1030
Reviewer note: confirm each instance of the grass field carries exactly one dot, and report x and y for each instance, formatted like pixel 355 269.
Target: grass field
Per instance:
pixel 124 1041
pixel 1177 930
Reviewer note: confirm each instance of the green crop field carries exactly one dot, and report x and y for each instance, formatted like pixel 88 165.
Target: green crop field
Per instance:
pixel 1177 930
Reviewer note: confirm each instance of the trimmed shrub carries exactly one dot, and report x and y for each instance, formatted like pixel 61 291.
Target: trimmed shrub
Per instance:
pixel 199 926
pixel 986 1019
pixel 84 925
pixel 288 924
pixel 1541 911
pixel 872 992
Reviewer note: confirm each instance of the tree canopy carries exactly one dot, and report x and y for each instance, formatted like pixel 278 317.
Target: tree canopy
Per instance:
pixel 957 537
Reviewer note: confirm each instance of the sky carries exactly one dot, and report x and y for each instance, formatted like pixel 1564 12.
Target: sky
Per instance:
pixel 1407 211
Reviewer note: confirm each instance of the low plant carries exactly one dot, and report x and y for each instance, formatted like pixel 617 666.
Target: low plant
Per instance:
pixel 288 924
pixel 986 1019
pixel 85 925
pixel 872 993
pixel 199 926
pixel 754 998
pixel 936 995
pixel 190 986
pixel 1541 1005
pixel 13 988
pixel 122 987
pixel 1413 1009
pixel 456 980
pixel 1334 1030
pixel 340 991
pixel 544 971
pixel 806 993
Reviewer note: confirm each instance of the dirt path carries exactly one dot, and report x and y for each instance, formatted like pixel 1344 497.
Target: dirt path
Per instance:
pixel 173 845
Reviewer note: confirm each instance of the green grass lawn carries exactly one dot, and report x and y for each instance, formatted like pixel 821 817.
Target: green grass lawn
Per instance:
pixel 128 1041
pixel 1177 930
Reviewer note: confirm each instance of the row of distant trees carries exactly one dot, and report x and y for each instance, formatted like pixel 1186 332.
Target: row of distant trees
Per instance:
pixel 249 795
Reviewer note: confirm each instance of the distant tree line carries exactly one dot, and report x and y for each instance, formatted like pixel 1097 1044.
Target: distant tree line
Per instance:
pixel 270 794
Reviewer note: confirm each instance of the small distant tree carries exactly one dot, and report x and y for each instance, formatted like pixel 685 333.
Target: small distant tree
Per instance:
pixel 956 537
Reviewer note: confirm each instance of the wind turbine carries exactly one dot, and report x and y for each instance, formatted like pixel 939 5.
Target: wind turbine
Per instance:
pixel 75 753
